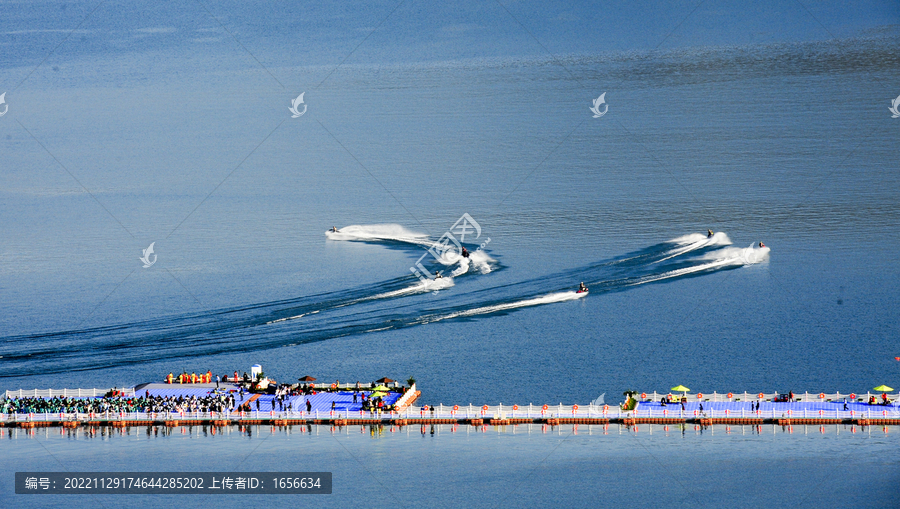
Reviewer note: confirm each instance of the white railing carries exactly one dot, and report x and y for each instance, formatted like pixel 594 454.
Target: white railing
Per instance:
pixel 350 386
pixel 66 393
pixel 441 411
pixel 766 396
pixel 874 412
pixel 406 398
pixel 530 411
pixel 485 412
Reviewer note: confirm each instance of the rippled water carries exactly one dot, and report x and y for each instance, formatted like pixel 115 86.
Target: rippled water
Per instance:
pixel 788 144
pixel 511 466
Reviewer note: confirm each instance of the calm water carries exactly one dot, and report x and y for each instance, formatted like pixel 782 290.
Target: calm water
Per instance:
pixel 512 467
pixel 789 143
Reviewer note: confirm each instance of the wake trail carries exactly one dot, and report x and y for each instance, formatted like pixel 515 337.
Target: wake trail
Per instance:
pixel 497 308
pixel 388 305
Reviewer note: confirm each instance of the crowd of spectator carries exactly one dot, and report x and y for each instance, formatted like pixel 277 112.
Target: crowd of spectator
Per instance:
pixel 215 402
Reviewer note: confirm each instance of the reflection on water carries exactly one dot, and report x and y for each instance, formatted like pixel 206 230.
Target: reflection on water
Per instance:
pixel 518 465
pixel 381 431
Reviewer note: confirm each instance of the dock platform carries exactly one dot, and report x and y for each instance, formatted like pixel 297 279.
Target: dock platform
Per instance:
pixel 698 409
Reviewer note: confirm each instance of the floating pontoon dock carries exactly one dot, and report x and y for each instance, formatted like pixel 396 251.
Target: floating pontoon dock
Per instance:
pixel 338 408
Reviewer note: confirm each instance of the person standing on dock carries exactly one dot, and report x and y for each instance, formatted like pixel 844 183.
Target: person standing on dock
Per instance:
pixel 217 381
pixel 791 396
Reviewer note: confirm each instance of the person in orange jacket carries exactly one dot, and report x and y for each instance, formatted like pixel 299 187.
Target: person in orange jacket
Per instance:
pixel 169 378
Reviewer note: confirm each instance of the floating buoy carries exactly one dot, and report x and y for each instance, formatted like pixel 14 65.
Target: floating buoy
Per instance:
pixel 761 395
pixel 515 407
pixel 821 395
pixel 455 408
pixel 574 408
pixel 545 407
pixel 643 395
pixel 699 395
pixel 485 408
pixel 852 396
pixel 730 395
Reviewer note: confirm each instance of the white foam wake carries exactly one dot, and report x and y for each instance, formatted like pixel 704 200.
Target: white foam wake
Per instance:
pixel 695 241
pixel 741 255
pixel 537 301
pixel 729 256
pixel 479 260
pixel 430 285
pixel 370 232
pixel 292 317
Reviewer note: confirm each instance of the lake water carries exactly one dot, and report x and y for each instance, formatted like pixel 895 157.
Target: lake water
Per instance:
pixel 785 143
pixel 520 466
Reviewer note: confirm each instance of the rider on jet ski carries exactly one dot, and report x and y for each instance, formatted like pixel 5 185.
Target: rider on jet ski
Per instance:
pixel 437 276
pixel 710 233
pixel 465 252
pixel 762 245
pixel 334 229
pixel 582 288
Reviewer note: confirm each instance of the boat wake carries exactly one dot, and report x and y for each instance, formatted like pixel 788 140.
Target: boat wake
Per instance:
pixel 391 304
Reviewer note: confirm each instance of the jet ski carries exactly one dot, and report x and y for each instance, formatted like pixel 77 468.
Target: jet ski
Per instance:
pixel 709 234
pixel 465 253
pixel 582 288
pixel 762 245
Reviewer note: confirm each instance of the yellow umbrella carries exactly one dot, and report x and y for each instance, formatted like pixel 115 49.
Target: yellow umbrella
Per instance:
pixel 883 388
pixel 381 388
pixel 679 388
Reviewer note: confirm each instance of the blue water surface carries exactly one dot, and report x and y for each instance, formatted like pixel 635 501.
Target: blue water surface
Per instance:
pixel 169 124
